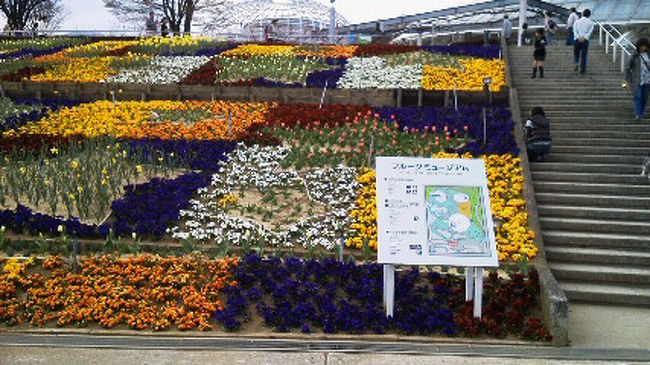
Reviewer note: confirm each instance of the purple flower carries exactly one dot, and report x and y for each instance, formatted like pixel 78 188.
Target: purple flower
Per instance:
pixel 489 52
pixel 152 207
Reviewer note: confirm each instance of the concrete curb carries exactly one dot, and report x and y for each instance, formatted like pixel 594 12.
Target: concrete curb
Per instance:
pixel 284 346
pixel 275 336
pixel 555 304
pixel 91 91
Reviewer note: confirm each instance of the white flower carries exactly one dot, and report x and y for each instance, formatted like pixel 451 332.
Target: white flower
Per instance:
pixel 374 73
pixel 161 70
pixel 259 168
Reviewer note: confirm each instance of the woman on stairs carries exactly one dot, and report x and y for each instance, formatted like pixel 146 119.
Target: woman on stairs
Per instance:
pixel 537 132
pixel 638 76
pixel 539 55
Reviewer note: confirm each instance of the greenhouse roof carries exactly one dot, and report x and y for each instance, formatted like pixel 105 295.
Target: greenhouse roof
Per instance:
pixel 612 11
pixel 489 15
pixel 255 13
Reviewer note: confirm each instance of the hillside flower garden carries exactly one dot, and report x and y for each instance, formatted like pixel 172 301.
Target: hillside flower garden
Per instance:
pixel 206 61
pixel 232 216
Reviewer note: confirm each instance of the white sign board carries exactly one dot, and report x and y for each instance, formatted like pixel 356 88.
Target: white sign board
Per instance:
pixel 434 212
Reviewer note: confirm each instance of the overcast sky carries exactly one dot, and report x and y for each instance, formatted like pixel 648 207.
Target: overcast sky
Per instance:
pixel 91 14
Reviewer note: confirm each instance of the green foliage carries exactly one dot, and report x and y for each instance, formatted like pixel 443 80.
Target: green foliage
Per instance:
pixel 81 178
pixel 284 68
pixel 350 144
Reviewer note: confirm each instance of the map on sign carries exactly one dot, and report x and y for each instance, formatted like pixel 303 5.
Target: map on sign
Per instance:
pixel 455 221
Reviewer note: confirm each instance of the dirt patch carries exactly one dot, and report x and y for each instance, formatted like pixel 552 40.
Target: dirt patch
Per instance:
pixel 278 209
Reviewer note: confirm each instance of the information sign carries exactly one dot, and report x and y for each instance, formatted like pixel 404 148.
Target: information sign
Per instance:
pixel 434 212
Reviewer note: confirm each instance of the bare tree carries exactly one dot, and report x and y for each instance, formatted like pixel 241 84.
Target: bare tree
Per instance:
pixel 21 13
pixel 177 12
pixel 50 14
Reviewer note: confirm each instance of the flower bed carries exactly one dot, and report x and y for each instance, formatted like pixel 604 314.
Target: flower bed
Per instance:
pixel 12 49
pixel 207 61
pixel 329 296
pixel 154 293
pixel 15 114
pixel 282 68
pixel 141 293
pixel 469 78
pixel 160 70
pixel 307 160
pixel 155 119
pixel 222 177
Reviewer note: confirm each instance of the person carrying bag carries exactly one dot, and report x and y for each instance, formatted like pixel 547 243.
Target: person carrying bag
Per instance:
pixel 638 76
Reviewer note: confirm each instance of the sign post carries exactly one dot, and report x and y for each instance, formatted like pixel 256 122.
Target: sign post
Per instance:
pixel 389 289
pixel 434 212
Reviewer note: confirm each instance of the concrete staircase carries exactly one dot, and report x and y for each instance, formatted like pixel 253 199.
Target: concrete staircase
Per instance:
pixel 593 205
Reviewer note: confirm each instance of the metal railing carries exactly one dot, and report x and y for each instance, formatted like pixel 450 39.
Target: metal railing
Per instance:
pixel 339 39
pixel 614 39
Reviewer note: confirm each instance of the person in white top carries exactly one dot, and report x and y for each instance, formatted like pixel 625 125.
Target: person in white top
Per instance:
pixel 507 28
pixel 569 26
pixel 582 29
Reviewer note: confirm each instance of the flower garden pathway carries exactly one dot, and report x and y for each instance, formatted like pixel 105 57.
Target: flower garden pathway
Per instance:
pixel 593 205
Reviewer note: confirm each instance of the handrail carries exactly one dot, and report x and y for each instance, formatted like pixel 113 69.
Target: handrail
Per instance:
pixel 615 42
pixel 620 35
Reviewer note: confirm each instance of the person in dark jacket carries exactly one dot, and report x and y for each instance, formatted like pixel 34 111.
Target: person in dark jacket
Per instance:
pixel 638 76
pixel 539 55
pixel 537 132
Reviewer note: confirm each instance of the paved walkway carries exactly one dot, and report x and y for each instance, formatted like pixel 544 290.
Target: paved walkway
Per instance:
pixel 55 356
pixel 606 326
pixel 600 334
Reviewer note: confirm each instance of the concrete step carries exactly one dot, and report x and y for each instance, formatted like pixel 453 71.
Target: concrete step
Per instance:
pixel 640 127
pixel 564 53
pixel 585 150
pixel 558 78
pixel 599 213
pixel 600 273
pixel 586 168
pixel 530 98
pixel 556 156
pixel 586 114
pixel 577 104
pixel 560 73
pixel 597 120
pixel 540 176
pixel 589 90
pixel 608 142
pixel 592 188
pixel 628 295
pixel 596 240
pixel 594 225
pixel 559 99
pixel 593 200
pixel 597 256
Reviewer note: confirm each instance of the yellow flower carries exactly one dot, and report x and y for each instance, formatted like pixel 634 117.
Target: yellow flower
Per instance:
pixel 470 77
pixel 138 168
pixel 74 164
pixel 80 189
pixel 226 200
pixel 22 170
pixel 54 150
